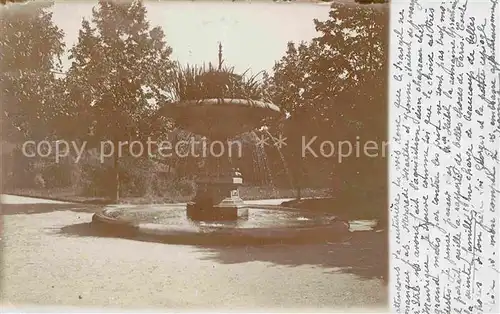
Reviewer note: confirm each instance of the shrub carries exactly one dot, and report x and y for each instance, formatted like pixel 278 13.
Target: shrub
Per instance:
pixel 94 181
pixel 39 181
pixel 185 187
pixel 56 175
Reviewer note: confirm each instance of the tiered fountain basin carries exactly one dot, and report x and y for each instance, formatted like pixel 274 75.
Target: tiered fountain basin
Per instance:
pixel 220 118
pixel 264 224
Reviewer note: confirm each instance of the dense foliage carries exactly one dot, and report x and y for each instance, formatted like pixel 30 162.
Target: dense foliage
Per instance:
pixel 337 85
pixel 30 47
pixel 120 71
pixel 119 74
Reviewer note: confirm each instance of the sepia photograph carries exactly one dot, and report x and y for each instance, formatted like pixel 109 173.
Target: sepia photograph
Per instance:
pixel 194 155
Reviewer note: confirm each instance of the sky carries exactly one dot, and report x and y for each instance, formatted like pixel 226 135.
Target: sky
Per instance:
pixel 253 35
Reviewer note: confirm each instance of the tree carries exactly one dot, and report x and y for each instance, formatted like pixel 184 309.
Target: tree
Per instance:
pixel 119 75
pixel 355 40
pixel 349 52
pixel 30 47
pixel 336 85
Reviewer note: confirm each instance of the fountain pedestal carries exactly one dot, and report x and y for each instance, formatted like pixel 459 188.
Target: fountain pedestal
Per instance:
pixel 218 200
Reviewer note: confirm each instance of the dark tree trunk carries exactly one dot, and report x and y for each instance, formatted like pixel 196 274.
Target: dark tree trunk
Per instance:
pixel 116 173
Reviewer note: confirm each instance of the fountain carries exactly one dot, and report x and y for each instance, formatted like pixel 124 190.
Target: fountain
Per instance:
pixel 217 210
pixel 217 197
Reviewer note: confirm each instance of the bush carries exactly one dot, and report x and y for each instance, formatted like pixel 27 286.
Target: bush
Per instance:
pixel 185 187
pixel 56 175
pixel 94 181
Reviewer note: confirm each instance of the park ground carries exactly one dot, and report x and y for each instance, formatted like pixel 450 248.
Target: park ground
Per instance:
pixel 51 259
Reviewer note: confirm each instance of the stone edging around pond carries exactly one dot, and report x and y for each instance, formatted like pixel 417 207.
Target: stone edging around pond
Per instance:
pixel 172 234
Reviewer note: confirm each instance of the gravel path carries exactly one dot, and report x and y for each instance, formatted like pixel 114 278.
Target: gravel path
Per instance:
pixel 42 266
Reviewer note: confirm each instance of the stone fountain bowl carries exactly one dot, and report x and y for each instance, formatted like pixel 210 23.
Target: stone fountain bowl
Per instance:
pixel 266 224
pixel 220 118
